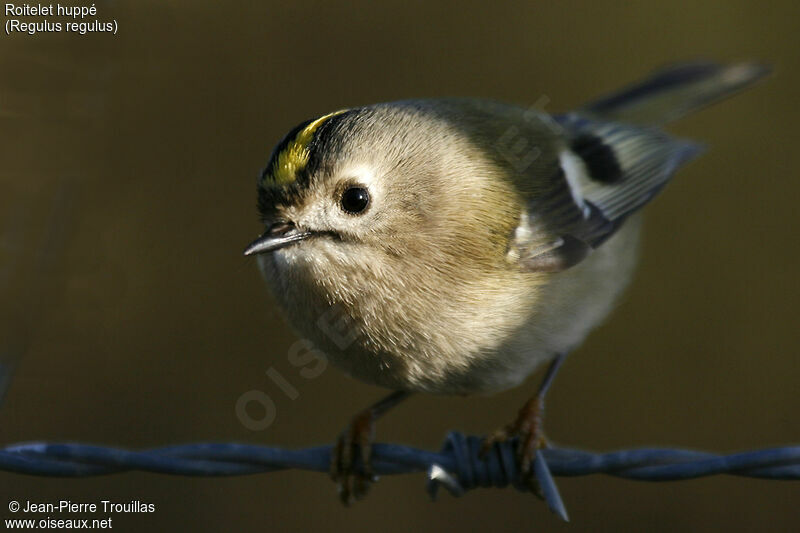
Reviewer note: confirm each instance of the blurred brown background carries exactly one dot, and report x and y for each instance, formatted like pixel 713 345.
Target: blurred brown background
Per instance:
pixel 127 195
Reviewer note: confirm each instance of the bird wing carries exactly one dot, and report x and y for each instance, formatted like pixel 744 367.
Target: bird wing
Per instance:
pixel 606 172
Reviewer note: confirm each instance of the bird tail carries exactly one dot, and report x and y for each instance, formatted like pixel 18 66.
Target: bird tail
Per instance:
pixel 674 92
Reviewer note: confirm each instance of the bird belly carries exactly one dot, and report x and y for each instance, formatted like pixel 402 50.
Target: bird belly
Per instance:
pixel 565 311
pixel 491 346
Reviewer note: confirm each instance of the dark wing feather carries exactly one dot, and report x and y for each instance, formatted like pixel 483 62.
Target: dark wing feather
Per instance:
pixel 608 171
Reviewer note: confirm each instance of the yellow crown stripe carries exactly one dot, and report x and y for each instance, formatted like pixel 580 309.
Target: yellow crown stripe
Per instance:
pixel 295 156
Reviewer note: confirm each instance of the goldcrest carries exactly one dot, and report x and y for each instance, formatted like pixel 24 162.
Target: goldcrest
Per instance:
pixel 466 242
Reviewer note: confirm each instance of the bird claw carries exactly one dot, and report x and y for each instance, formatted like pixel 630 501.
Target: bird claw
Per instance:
pixel 527 428
pixel 351 464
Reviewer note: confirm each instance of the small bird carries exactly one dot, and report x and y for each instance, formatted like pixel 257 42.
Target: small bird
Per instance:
pixel 462 243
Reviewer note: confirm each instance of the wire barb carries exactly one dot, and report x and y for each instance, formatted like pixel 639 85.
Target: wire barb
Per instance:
pixel 458 466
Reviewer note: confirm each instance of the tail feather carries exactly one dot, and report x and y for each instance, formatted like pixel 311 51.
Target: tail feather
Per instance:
pixel 675 91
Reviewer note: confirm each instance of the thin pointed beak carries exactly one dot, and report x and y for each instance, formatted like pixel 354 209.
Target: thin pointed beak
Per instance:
pixel 276 237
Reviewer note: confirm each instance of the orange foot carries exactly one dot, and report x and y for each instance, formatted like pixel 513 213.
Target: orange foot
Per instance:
pixel 528 428
pixel 355 441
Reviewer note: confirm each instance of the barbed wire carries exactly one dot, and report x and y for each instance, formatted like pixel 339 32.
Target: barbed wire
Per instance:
pixel 458 466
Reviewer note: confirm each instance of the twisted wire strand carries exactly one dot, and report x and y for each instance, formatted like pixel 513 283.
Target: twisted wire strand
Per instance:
pixel 458 466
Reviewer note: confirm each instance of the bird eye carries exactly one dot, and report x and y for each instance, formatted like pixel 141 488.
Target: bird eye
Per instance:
pixel 355 200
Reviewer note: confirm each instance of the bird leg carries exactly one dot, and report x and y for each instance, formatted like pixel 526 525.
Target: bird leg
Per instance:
pixel 358 436
pixel 528 427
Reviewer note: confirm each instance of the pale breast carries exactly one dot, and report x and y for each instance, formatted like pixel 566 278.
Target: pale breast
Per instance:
pixel 485 336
